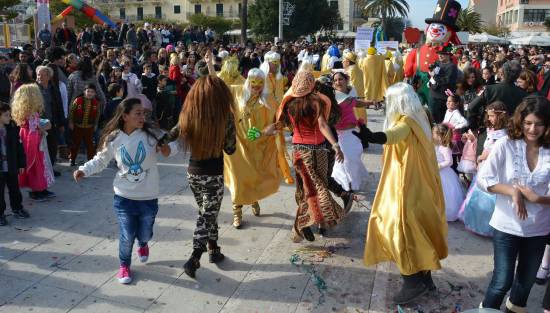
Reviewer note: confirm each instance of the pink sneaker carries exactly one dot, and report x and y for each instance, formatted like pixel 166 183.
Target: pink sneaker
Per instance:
pixel 124 275
pixel 143 253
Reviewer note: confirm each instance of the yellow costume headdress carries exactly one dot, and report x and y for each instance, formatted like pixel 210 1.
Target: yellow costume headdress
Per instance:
pixel 230 71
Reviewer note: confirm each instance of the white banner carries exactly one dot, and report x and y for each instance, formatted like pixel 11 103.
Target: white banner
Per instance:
pixel 382 45
pixel 362 45
pixel 364 33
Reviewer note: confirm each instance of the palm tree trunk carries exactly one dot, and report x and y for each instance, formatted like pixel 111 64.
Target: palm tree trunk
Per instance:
pixel 244 21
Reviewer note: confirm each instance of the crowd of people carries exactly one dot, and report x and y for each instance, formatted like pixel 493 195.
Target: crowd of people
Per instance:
pixel 471 144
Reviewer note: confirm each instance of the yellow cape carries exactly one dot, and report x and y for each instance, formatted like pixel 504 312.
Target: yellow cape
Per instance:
pixel 407 224
pixel 356 80
pixel 252 172
pixel 374 76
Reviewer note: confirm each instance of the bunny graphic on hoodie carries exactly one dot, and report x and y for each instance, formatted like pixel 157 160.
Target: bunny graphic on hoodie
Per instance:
pixel 136 157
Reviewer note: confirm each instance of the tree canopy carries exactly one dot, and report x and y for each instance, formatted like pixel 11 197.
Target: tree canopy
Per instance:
pixel 5 6
pixel 308 18
pixel 469 21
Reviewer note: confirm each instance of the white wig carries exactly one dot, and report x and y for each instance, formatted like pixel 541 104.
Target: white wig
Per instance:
pixel 253 73
pixel 269 57
pixel 401 99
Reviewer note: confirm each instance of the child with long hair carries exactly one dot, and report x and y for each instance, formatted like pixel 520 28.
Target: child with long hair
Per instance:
pixel 209 102
pixel 478 207
pixel 83 121
pixel 135 146
pixel 27 105
pixel 452 189
pixel 454 118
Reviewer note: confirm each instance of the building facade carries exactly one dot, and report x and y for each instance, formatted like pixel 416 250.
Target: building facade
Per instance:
pixel 169 11
pixel 485 8
pixel 523 16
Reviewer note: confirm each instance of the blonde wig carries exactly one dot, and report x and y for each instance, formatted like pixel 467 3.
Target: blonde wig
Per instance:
pixel 27 100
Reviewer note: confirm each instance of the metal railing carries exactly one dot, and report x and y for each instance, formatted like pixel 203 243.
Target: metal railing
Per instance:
pixel 220 14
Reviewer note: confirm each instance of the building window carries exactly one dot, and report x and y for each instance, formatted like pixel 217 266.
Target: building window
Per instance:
pixel 333 4
pixel 219 9
pixel 177 9
pixel 523 1
pixel 240 8
pixel 198 9
pixel 158 13
pixel 122 13
pixel 536 15
pixel 140 13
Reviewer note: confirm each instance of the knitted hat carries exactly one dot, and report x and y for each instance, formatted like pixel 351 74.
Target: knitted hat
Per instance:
pixel 302 84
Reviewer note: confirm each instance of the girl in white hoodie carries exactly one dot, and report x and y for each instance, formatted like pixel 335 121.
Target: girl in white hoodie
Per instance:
pixel 135 146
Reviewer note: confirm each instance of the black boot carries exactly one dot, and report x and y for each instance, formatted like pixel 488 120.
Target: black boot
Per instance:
pixel 308 234
pixel 347 197
pixel 413 287
pixel 214 253
pixel 191 266
pixel 21 213
pixel 428 281
pixel 3 220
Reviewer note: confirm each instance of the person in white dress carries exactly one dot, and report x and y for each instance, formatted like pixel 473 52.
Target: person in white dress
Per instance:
pixel 452 188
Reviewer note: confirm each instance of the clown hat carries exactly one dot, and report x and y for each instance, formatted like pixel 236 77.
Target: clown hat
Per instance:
pixel 446 13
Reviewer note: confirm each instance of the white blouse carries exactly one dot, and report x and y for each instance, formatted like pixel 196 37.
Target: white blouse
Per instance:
pixel 507 164
pixel 456 119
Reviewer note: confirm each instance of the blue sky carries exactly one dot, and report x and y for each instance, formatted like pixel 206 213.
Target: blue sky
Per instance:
pixel 422 9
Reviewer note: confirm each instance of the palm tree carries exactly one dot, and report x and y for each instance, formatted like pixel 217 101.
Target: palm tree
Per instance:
pixel 244 21
pixel 385 9
pixel 470 21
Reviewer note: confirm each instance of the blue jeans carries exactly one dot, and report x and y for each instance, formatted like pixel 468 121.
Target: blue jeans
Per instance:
pixel 528 252
pixel 135 220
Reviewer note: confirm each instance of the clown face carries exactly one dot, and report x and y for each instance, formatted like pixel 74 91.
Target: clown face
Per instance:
pixel 437 33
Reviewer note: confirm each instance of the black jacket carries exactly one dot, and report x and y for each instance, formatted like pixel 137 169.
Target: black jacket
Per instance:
pixel 508 93
pixel 14 149
pixel 58 115
pixel 445 79
pixel 546 85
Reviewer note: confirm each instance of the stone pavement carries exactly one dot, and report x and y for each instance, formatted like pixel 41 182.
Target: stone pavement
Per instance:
pixel 64 258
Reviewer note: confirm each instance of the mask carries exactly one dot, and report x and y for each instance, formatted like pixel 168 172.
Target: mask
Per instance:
pixel 437 33
pixel 256 82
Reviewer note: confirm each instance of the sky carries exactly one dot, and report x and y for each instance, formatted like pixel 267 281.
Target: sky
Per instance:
pixel 422 9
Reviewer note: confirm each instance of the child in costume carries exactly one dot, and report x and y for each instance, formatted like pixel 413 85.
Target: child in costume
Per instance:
pixel 478 207
pixel 468 164
pixel 83 121
pixel 452 188
pixel 12 162
pixel 27 105
pixel 457 122
pixel 135 146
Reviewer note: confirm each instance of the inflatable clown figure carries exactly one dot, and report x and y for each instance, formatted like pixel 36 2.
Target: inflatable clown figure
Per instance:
pixel 440 31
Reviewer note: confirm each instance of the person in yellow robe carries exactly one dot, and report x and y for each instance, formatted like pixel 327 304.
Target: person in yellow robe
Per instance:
pixel 390 71
pixel 252 173
pixel 407 224
pixel 275 88
pixel 356 79
pixel 374 75
pixel 230 72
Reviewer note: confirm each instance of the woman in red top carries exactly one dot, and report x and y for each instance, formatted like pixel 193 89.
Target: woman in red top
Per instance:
pixel 306 112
